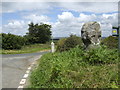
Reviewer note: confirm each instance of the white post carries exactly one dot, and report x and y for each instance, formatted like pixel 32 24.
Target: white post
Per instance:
pixel 52 47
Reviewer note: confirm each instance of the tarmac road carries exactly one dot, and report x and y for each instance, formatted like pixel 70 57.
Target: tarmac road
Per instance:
pixel 14 67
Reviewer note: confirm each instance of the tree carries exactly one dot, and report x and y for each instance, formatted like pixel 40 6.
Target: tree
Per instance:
pixel 39 33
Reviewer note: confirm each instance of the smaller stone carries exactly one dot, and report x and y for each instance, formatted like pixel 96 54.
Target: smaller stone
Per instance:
pixel 22 82
pixel 52 47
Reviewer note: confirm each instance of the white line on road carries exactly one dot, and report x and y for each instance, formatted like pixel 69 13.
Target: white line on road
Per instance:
pixel 33 63
pixel 29 68
pixel 20 87
pixel 25 76
pixel 27 71
pixel 23 81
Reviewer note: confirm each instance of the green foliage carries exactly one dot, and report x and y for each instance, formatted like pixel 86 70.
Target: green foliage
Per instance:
pixel 111 42
pixel 38 33
pixel 10 41
pixel 101 55
pixel 71 69
pixel 68 43
pixel 61 45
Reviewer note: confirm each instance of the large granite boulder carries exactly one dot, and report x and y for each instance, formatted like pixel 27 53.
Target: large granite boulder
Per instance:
pixel 91 34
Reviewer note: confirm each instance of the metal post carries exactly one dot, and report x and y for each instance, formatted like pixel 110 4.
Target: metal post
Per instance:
pixel 119 39
pixel 119 43
pixel 117 34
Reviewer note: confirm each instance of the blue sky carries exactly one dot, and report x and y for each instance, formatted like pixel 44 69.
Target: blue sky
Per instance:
pixel 65 17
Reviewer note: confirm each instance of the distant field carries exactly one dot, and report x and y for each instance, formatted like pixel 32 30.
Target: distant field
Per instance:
pixel 28 49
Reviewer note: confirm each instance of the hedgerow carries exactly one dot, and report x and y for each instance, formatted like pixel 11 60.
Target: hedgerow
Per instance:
pixel 11 41
pixel 66 44
pixel 111 42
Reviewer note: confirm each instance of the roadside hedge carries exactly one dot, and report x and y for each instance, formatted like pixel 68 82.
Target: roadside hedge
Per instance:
pixel 66 44
pixel 11 41
pixel 111 42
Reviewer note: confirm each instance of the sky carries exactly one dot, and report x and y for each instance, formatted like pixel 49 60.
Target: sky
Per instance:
pixel 66 18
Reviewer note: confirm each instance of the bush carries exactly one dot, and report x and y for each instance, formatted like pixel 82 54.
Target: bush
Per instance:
pixel 70 69
pixel 61 45
pixel 68 43
pixel 101 55
pixel 10 41
pixel 111 42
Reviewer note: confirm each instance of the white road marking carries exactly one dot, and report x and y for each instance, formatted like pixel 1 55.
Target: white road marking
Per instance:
pixel 33 63
pixel 23 81
pixel 27 71
pixel 20 87
pixel 29 68
pixel 25 76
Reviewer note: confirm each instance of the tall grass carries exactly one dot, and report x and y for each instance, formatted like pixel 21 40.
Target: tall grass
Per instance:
pixel 73 69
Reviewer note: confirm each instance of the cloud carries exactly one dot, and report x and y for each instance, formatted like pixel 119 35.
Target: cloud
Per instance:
pixel 19 27
pixel 68 23
pixel 65 25
pixel 110 18
pixel 85 18
pixel 94 7
pixel 15 24
pixel 60 1
pixel 37 18
pixel 66 17
pixel 15 27
pixel 8 7
pixel 43 7
pixel 106 29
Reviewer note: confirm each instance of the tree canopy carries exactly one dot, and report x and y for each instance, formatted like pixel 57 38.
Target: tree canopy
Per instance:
pixel 39 33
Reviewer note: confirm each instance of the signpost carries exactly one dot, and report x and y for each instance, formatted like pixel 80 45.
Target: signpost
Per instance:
pixel 116 32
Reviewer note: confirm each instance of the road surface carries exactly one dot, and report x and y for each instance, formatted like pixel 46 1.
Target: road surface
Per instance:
pixel 14 67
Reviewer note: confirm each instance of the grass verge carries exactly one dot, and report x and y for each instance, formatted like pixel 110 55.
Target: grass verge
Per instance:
pixel 73 69
pixel 28 49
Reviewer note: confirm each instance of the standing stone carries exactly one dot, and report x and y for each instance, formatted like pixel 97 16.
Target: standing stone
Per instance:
pixel 91 35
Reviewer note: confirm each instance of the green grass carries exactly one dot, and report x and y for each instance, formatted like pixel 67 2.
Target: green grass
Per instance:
pixel 70 69
pixel 28 49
